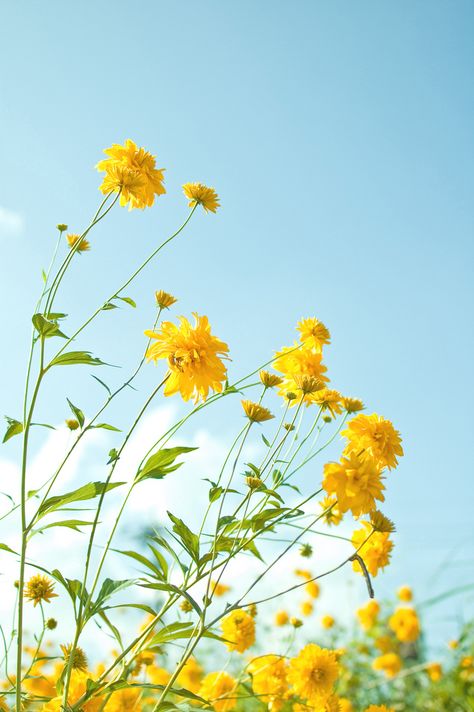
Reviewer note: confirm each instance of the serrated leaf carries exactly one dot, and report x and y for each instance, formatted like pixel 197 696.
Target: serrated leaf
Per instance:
pixel 162 463
pixel 71 358
pixel 89 491
pixel 77 412
pixel 14 428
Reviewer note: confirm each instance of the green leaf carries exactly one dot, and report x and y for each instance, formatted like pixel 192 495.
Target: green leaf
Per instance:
pixel 189 540
pixel 45 327
pixel 128 300
pixel 70 358
pixel 162 463
pixel 108 306
pixel 265 440
pixel 89 491
pixel 4 547
pixel 102 384
pixel 108 588
pixel 113 455
pixel 69 523
pixel 156 570
pixel 14 428
pixel 44 425
pixel 106 426
pixel 215 493
pixel 77 412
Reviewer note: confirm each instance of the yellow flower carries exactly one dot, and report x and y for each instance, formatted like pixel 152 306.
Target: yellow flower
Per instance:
pixel 313 673
pixel 332 704
pixel 270 380
pixel 218 687
pixel 313 333
pixel 199 194
pixel 303 573
pixel 405 594
pixel 376 436
pixel 253 482
pixel 376 550
pixel 72 423
pixel 331 513
pixel 435 672
pixel 255 412
pixel 299 360
pixel 328 399
pixel 405 624
pixel 351 405
pixel 281 618
pixel 381 523
pixel 77 687
pixel 379 708
pixel 74 239
pixel 79 659
pixel 190 676
pixel 368 614
pixel 306 608
pixel 453 644
pixel 385 644
pixel 158 675
pixel 327 622
pixel 355 482
pixel 126 700
pixel 164 299
pixel 296 622
pixel 219 589
pixel 192 353
pixel 133 171
pixel 390 664
pixel 39 588
pixel 269 678
pixel 308 384
pixel 312 589
pixel 238 628
pixel 345 705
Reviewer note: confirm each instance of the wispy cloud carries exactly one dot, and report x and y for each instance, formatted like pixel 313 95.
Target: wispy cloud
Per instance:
pixel 11 223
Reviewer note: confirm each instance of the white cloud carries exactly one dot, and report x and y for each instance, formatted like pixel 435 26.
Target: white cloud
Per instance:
pixel 11 223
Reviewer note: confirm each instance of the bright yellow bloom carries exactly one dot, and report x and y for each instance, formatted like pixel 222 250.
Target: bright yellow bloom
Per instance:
pixel 381 523
pixel 190 676
pixel 39 588
pixel 238 628
pixel 435 672
pixel 72 423
pixel 306 608
pixel 199 194
pixel 328 399
pixel 379 708
pixel 375 436
pixel 193 354
pixel 327 622
pixel 269 678
pixel 74 239
pixel 216 687
pixel 351 405
pixel 133 171
pixel 368 614
pixel 158 675
pixel 405 624
pixel 345 705
pixel 125 700
pixel 390 664
pixel 219 589
pixel 296 622
pixel 77 688
pixel 375 552
pixel 355 482
pixel 405 594
pixel 385 644
pixel 331 513
pixel 453 644
pixel 313 333
pixel 299 360
pixel 270 380
pixel 303 573
pixel 313 673
pixel 79 659
pixel 281 618
pixel 255 412
pixel 164 299
pixel 312 589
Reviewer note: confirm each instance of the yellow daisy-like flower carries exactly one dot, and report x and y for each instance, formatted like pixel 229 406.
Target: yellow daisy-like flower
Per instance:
pixel 270 380
pixel 331 512
pixel 255 412
pixel 328 399
pixel 356 482
pixel 238 628
pixel 269 678
pixel 216 687
pixel 332 704
pixel 435 672
pixel 345 705
pixel 405 624
pixel 351 405
pixel 164 299
pixel 385 644
pixel 308 384
pixel 193 354
pixel 82 244
pixel 219 589
pixel 375 552
pixel 368 614
pixel 375 436
pixel 327 622
pixel 313 333
pixel 190 676
pixel 78 657
pixel 390 664
pixel 133 171
pixel 381 523
pixel 405 594
pixel 299 360
pixel 72 423
pixel 313 673
pixel 312 589
pixel 281 618
pixel 303 573
pixel 199 194
pixel 39 588
pixel 379 708
pixel 306 608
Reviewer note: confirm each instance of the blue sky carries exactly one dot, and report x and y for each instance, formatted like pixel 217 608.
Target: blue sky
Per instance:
pixel 339 137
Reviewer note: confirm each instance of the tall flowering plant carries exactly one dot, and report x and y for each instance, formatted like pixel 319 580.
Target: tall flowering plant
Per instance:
pixel 289 397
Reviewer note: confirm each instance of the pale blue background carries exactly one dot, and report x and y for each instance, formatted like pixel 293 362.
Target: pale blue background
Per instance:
pixel 339 137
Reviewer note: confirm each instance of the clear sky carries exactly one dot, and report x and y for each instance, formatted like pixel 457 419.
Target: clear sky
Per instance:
pixel 339 137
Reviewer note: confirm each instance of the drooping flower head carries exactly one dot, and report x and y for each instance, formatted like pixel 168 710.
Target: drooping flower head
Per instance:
pixel 219 688
pixel 375 552
pixel 313 673
pixel 193 356
pixel 199 194
pixel 82 244
pixel 131 170
pixel 256 412
pixel 328 399
pixel 164 300
pixel 375 436
pixel 355 482
pixel 39 588
pixel 238 628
